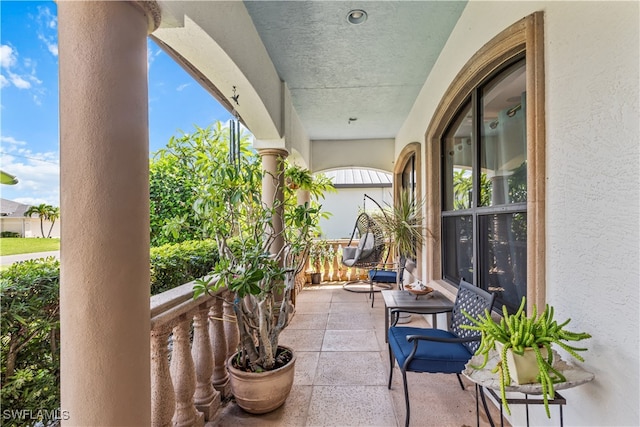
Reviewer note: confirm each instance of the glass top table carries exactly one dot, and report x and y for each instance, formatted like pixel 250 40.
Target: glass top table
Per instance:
pixel 431 303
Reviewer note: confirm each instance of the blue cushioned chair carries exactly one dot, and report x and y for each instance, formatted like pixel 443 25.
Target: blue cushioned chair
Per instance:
pixel 436 350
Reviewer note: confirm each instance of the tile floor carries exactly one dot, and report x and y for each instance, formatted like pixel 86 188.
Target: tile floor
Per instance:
pixel 342 371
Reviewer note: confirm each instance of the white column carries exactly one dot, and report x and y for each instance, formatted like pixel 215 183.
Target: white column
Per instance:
pixel 104 158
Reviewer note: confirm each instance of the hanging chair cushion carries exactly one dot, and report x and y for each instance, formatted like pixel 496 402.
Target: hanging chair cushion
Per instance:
pixel 350 255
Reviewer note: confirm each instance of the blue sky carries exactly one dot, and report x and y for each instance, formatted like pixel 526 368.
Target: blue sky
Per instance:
pixel 29 131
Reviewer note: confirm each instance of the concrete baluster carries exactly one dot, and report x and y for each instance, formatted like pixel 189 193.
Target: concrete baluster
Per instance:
pixel 230 327
pixel 206 398
pixel 219 347
pixel 163 401
pixel 184 377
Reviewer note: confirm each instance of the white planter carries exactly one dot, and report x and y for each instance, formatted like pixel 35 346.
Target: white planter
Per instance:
pixel 523 368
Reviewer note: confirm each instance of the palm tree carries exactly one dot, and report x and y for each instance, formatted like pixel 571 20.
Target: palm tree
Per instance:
pixel 54 214
pixel 43 211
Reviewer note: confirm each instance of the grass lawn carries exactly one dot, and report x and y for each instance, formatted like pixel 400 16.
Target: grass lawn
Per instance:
pixel 16 245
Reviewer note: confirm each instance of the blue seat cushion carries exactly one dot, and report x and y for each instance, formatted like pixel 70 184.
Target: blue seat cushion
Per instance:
pixel 382 276
pixel 435 357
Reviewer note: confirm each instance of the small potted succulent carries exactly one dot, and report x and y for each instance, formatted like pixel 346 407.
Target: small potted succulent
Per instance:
pixel 518 338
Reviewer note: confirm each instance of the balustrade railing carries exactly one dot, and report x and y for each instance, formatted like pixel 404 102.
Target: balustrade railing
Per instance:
pixel 190 342
pixel 332 270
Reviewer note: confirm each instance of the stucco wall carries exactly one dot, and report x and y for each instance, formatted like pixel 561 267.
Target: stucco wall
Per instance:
pixel 345 205
pixel 29 227
pixel 593 189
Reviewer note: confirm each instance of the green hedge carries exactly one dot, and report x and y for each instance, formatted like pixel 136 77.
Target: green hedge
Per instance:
pixel 30 357
pixel 175 264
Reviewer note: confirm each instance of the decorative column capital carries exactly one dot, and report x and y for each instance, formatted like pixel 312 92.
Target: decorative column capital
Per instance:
pixel 152 11
pixel 280 152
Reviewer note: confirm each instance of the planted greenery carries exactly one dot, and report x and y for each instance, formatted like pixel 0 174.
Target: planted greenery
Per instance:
pixel 30 329
pixel 175 264
pixel 258 269
pixel 403 225
pixel 517 332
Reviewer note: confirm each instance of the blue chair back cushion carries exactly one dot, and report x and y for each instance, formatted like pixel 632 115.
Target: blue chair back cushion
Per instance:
pixel 435 357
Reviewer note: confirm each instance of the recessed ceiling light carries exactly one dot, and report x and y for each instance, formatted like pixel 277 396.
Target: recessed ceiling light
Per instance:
pixel 357 16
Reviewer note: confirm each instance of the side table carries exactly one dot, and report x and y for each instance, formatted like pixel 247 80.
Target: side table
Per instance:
pixel 484 379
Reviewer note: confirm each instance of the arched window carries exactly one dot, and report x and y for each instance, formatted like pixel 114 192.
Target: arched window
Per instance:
pixel 485 148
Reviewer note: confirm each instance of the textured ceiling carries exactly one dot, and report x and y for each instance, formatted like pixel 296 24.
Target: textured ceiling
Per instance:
pixel 336 70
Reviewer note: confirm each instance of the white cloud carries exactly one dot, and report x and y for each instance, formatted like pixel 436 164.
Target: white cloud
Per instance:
pixel 7 56
pixel 38 173
pixel 182 87
pixel 18 81
pixel 15 75
pixel 11 140
pixel 52 46
pixel 47 33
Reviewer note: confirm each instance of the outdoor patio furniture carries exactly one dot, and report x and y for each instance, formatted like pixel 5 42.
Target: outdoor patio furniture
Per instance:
pixel 436 350
pixel 367 254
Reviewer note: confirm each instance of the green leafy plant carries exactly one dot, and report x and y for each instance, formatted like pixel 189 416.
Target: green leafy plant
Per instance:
pixel 30 329
pixel 174 264
pixel 403 226
pixel 253 264
pixel 517 332
pixel 320 251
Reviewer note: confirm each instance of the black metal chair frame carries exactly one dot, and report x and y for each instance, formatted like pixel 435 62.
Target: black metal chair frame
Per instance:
pixel 472 300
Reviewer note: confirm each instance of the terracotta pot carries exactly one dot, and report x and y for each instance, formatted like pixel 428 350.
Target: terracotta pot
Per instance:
pixel 259 393
pixel 523 368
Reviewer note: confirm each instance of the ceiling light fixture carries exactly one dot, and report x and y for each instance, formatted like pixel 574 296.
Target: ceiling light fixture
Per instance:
pixel 357 16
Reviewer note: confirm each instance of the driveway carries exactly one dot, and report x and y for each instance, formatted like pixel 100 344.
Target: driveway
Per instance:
pixel 10 259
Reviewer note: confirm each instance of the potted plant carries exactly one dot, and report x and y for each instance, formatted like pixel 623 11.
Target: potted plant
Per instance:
pixel 403 225
pixel 315 252
pixel 521 339
pixel 259 274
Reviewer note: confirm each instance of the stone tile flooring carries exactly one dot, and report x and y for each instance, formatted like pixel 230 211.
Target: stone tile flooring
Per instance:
pixel 342 371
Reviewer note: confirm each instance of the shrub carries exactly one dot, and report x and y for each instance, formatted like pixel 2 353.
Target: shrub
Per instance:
pixel 175 264
pixel 9 234
pixel 30 359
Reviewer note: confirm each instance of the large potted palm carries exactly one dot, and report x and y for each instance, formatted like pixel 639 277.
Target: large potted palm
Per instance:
pixel 259 271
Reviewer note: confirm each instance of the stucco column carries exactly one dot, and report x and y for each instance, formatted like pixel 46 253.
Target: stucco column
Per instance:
pixel 104 158
pixel 272 193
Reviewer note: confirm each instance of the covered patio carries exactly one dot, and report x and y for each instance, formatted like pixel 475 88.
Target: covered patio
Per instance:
pixel 577 222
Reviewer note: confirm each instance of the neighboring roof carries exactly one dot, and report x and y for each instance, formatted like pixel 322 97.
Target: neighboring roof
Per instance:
pixel 9 208
pixel 359 177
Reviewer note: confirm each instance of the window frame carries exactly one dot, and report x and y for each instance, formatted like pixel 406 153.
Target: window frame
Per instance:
pixel 525 37
pixel 476 211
